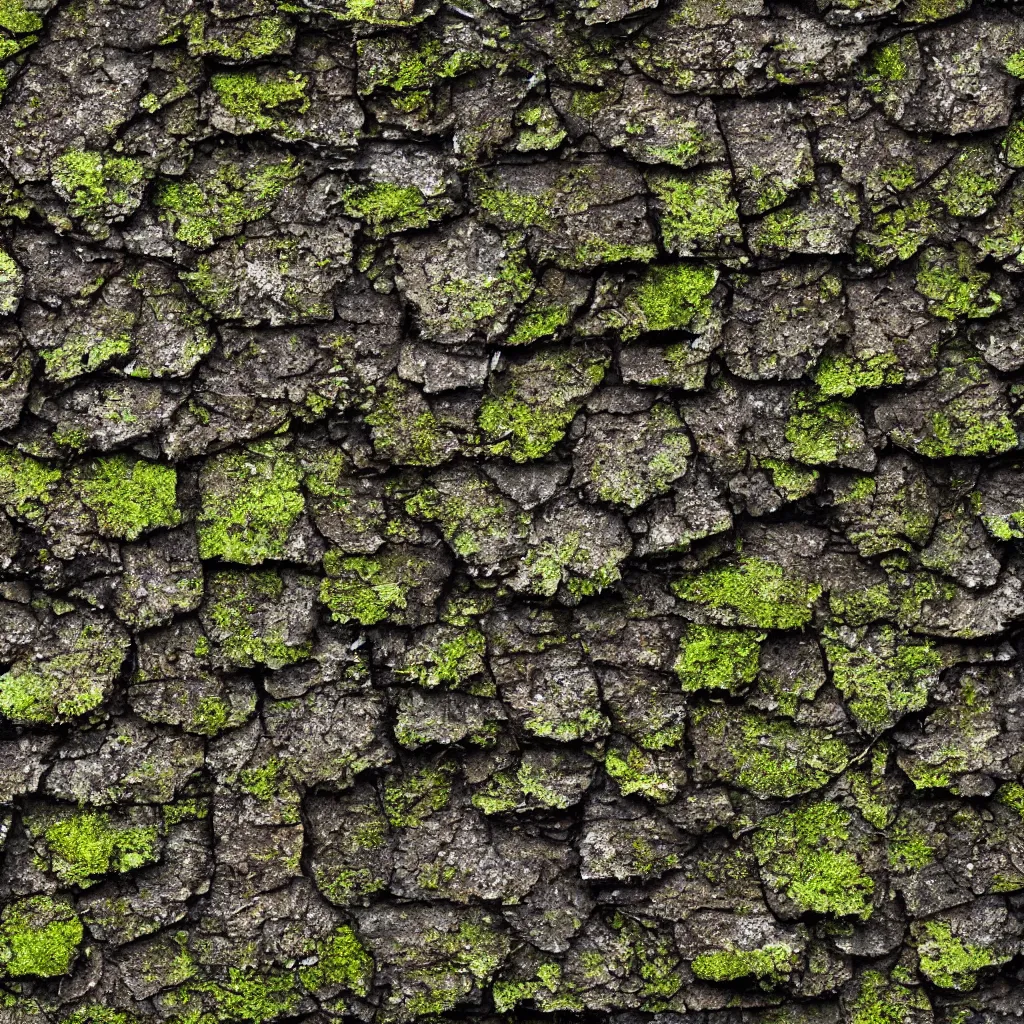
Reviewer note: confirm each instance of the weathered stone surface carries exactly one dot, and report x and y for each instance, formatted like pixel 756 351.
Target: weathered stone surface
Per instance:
pixel 510 511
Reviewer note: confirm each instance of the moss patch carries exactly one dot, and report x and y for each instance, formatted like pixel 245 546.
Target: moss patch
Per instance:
pixel 39 937
pixel 807 854
pixel 128 496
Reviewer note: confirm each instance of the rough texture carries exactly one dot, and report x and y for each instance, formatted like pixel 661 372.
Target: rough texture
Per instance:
pixel 511 510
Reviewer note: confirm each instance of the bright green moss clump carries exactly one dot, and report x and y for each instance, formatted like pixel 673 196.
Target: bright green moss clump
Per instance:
pixel 86 846
pixel 530 415
pixel 767 756
pixel 250 501
pixel 39 937
pixel 883 676
pixel 712 657
pixel 128 496
pixel 806 851
pixel 385 208
pixel 27 485
pixel 699 212
pixel 770 964
pixel 267 36
pixel 408 802
pixel 368 589
pixel 636 771
pixel 840 375
pixel 882 1000
pixel 821 433
pixel 16 18
pixel 342 961
pixel 250 622
pixel 669 298
pixel 950 962
pixel 754 593
pixel 953 284
pixel 91 181
pixel 204 210
pixel 451 662
pixel 262 104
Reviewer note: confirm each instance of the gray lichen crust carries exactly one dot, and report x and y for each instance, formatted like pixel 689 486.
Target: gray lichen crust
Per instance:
pixel 511 511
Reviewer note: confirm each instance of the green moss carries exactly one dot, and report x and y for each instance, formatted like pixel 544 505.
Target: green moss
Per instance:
pixel 1015 64
pixel 470 518
pixel 888 62
pixel 540 322
pixel 1013 144
pixel 517 209
pixel 128 496
pixel 236 601
pixel 772 757
pixel 840 375
pixel 475 302
pixel 806 851
pixel 897 234
pixel 409 802
pixel 712 657
pixel 248 996
pixel 636 772
pixel 39 937
pixel 399 63
pixel 267 36
pixel 755 592
pixel 961 433
pixel 540 130
pixel 954 286
pixel 91 181
pixel 530 415
pixel 882 1000
pixel 909 849
pixel 96 1014
pixel 27 485
pixel 405 429
pixel 968 185
pixel 200 212
pixel 15 17
pixel 451 662
pixel 821 433
pixel 263 782
pixel 874 800
pixel 66 686
pixel 883 676
pixel 86 845
pixel 343 961
pixel 529 432
pixel 950 962
pixel 699 211
pixel 569 560
pixel 262 103
pixel 595 252
pixel 86 352
pixel 250 501
pixel 669 298
pixel 368 589
pixel 385 208
pixel 770 964
pixel 1012 795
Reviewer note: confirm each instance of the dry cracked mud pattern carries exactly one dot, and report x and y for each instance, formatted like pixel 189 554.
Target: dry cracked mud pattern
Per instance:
pixel 511 511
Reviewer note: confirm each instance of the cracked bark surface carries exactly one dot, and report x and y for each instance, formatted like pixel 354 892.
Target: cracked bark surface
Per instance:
pixel 511 511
